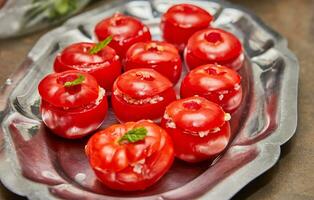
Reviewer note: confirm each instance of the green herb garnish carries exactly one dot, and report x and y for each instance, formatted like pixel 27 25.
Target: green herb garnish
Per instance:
pixel 51 10
pixel 134 135
pixel 99 46
pixel 79 80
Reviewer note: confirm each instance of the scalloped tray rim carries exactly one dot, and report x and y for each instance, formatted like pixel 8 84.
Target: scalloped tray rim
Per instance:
pixel 283 133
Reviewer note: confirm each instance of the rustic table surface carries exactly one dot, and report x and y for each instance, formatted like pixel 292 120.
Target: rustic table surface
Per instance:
pixel 292 178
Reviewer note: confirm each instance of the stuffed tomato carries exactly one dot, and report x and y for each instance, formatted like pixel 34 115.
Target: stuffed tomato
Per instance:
pixel 72 103
pixel 99 60
pixel 199 128
pixel 216 83
pixel 125 30
pixel 160 56
pixel 214 46
pixel 141 94
pixel 130 156
pixel 182 20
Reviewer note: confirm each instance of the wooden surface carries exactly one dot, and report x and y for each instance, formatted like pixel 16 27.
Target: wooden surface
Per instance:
pixel 292 178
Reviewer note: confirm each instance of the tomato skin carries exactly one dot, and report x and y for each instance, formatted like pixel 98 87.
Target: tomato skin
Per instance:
pixel 216 83
pixel 76 124
pixel 188 118
pixel 75 111
pixel 126 31
pixel 185 19
pixel 105 66
pixel 195 149
pixel 114 163
pixel 161 56
pixel 142 83
pixel 214 46
pixel 138 85
pixel 51 88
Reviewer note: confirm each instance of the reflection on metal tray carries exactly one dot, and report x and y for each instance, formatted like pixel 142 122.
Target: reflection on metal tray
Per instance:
pixel 39 165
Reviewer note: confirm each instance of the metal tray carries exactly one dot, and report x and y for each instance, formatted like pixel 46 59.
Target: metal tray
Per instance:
pixel 39 165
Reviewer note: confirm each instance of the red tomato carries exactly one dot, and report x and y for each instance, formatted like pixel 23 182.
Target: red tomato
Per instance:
pixel 130 164
pixel 141 94
pixel 211 46
pixel 161 56
pixel 104 65
pixel 125 30
pixel 72 103
pixel 199 128
pixel 216 83
pixel 181 21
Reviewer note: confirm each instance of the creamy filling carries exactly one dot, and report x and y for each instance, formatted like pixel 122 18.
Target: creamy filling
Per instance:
pixel 237 87
pixel 227 117
pixel 205 133
pixel 89 67
pixel 101 94
pixel 141 32
pixel 223 92
pixel 149 100
pixel 138 166
pixel 171 124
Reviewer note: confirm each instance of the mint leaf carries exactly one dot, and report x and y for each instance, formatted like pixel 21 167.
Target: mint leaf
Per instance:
pixel 134 135
pixel 99 46
pixel 79 80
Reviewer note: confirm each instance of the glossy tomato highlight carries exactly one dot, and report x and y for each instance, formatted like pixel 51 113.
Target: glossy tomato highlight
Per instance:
pixel 72 103
pixel 125 30
pixel 199 128
pixel 181 21
pixel 104 65
pixel 216 83
pixel 130 156
pixel 214 46
pixel 160 56
pixel 141 94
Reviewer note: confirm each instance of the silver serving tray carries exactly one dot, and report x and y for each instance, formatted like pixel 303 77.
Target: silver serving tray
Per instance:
pixel 39 165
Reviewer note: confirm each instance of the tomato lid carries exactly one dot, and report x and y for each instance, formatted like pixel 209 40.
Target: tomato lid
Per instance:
pixel 121 27
pixel 107 152
pixel 142 83
pixel 78 56
pixel 214 44
pixel 69 89
pixel 152 52
pixel 187 16
pixel 196 114
pixel 211 77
